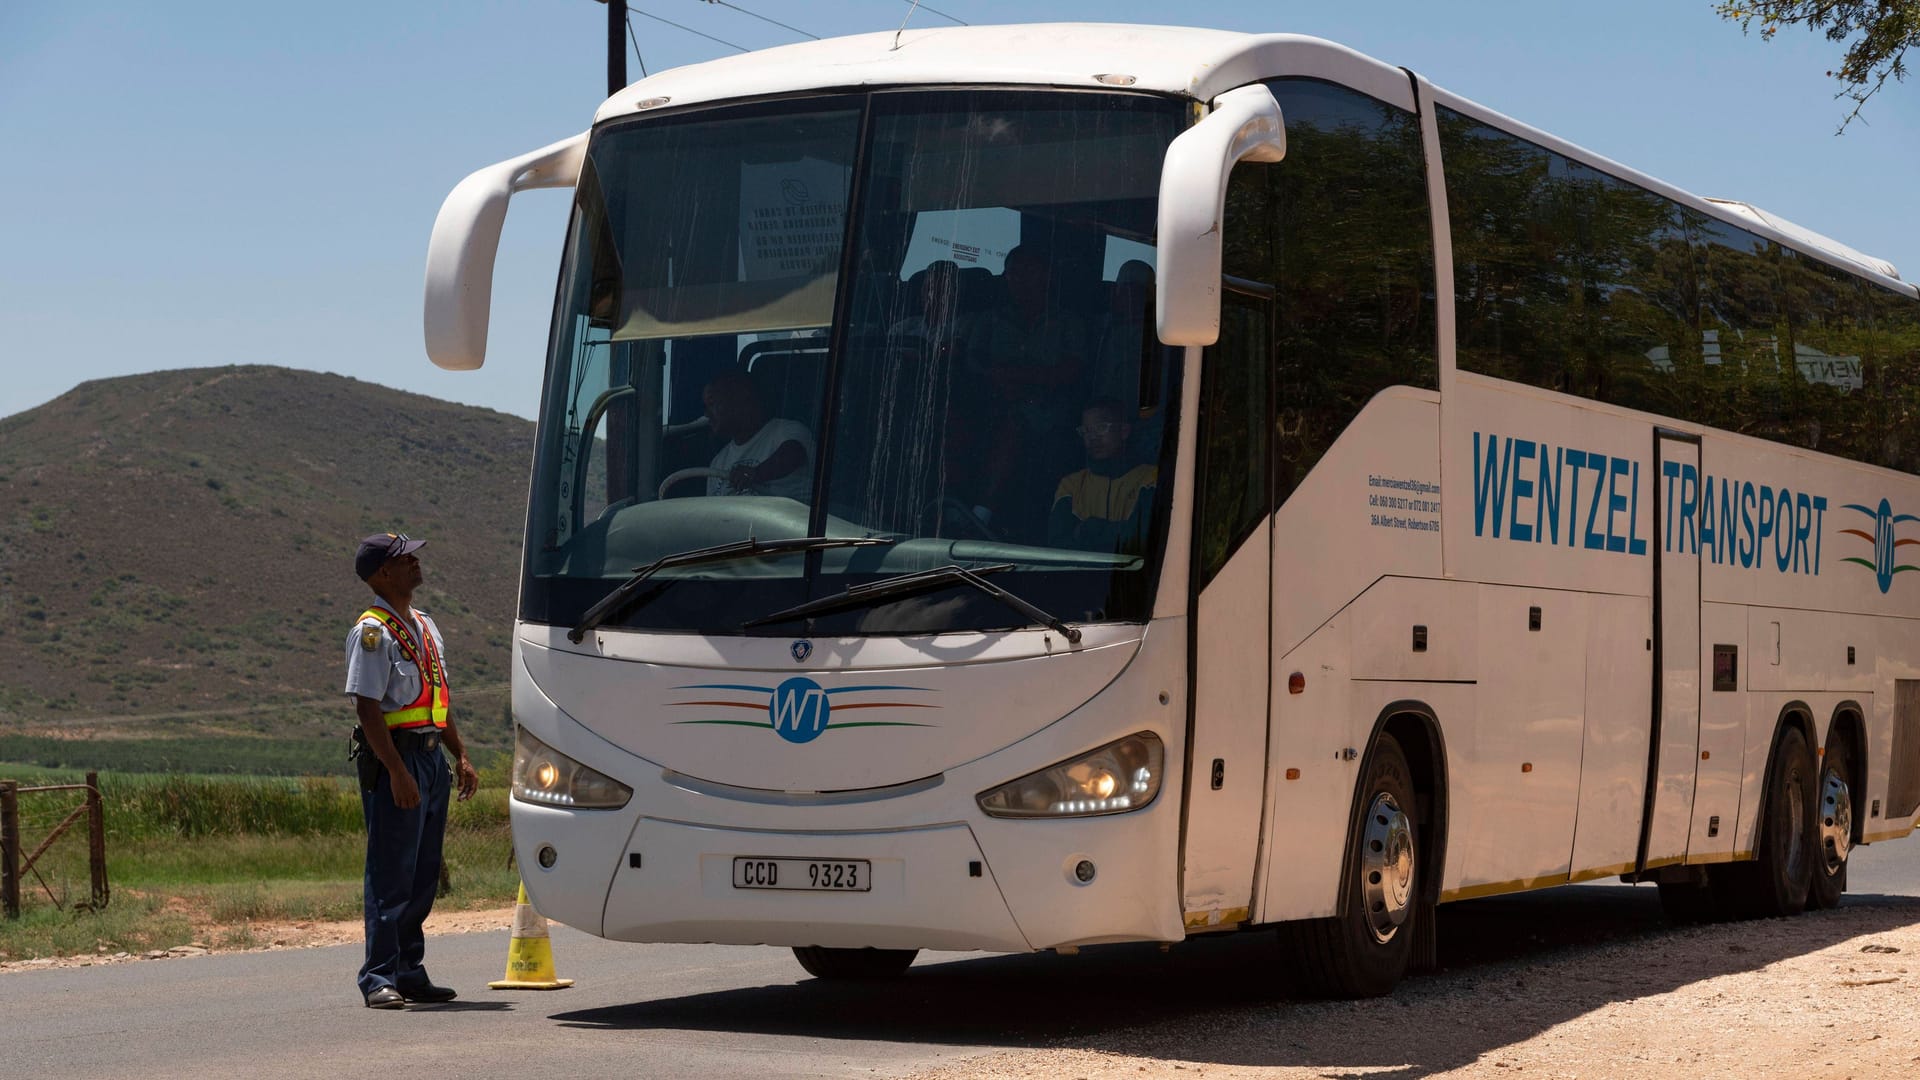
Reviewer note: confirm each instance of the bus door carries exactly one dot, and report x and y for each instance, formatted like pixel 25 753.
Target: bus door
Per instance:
pixel 1230 608
pixel 1674 749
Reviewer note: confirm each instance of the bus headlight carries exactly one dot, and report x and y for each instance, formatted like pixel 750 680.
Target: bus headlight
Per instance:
pixel 546 776
pixel 1120 776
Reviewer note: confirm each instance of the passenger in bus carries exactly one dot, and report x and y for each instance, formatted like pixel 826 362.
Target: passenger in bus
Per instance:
pixel 762 454
pixel 1123 336
pixel 1028 348
pixel 1108 505
pixel 1030 356
pixel 937 327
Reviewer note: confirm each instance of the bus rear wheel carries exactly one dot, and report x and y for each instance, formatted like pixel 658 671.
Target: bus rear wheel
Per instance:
pixel 1778 881
pixel 1364 951
pixel 825 963
pixel 1834 814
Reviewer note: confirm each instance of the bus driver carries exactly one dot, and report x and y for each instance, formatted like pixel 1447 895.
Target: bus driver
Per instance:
pixel 1108 505
pixel 762 455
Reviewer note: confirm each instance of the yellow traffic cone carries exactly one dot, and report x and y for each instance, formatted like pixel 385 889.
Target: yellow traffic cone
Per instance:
pixel 530 953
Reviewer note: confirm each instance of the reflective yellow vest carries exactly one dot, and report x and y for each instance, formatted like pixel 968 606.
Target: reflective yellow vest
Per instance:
pixel 429 709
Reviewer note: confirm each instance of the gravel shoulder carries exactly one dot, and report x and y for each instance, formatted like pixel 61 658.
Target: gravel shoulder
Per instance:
pixel 1831 994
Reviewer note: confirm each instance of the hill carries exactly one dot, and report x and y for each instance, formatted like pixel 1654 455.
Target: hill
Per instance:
pixel 176 548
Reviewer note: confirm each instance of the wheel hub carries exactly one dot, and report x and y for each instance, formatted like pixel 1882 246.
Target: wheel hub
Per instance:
pixel 1836 820
pixel 1386 867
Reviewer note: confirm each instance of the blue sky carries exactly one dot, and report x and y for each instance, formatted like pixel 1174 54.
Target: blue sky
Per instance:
pixel 201 183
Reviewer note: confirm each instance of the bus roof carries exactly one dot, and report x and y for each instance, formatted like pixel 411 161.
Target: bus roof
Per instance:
pixel 1168 59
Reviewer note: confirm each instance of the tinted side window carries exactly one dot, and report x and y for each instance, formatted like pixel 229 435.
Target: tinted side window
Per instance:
pixel 1572 280
pixel 1824 343
pixel 1341 230
pixel 1892 371
pixel 1744 390
pixel 1791 337
pixel 1565 278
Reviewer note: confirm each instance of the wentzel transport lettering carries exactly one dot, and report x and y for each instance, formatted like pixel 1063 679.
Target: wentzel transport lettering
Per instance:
pixel 1532 492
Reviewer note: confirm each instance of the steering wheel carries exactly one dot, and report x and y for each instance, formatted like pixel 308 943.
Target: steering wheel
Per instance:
pixel 613 508
pixel 697 472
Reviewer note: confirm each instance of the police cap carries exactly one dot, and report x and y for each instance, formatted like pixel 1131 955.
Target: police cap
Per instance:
pixel 375 550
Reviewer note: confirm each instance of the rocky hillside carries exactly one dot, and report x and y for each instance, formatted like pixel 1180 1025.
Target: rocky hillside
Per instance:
pixel 179 545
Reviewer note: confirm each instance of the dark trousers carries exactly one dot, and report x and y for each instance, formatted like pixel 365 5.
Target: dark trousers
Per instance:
pixel 403 872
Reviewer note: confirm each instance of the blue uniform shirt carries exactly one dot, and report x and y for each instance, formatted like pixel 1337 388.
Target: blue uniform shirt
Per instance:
pixel 383 672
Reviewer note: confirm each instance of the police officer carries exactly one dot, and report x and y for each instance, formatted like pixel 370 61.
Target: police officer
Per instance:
pixel 397 680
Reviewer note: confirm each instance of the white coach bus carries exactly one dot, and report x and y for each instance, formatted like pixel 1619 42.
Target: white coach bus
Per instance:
pixel 1016 488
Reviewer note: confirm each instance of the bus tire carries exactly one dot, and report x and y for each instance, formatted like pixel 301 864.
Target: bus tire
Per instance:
pixel 825 963
pixel 1833 826
pixel 1365 950
pixel 1776 883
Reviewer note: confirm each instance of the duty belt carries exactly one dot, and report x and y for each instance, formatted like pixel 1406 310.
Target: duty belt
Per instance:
pixel 404 741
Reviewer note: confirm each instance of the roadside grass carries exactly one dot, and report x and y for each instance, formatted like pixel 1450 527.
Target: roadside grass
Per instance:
pixel 239 860
pixel 204 858
pixel 162 804
pixel 131 924
pixel 267 868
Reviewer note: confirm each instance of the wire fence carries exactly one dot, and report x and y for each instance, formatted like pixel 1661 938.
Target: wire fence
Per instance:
pixel 17 861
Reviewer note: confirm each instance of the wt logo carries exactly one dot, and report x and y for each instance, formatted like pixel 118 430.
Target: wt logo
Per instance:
pixel 1886 544
pixel 799 710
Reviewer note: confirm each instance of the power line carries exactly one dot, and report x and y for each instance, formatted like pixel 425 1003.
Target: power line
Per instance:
pixel 763 18
pixel 690 30
pixel 636 48
pixel 934 11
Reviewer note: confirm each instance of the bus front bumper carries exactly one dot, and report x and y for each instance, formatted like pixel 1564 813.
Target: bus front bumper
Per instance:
pixel 927 887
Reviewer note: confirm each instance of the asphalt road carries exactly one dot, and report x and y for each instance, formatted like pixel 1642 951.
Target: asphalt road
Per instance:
pixel 699 1010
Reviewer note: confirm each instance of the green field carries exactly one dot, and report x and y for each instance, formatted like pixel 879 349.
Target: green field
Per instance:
pixel 256 756
pixel 225 754
pixel 289 745
pixel 204 858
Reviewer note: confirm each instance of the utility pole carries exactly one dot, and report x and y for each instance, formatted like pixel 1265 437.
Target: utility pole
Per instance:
pixel 616 45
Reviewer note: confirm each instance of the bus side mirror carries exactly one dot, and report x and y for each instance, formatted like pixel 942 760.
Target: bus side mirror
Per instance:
pixel 1245 125
pixel 466 236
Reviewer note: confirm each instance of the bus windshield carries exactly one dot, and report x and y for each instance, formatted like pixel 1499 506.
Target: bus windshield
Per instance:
pixel 923 316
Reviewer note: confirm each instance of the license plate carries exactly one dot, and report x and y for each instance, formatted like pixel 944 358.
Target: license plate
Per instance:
pixel 806 875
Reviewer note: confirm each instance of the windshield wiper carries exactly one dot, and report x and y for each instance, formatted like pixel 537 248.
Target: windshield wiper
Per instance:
pixel 739 549
pixel 920 581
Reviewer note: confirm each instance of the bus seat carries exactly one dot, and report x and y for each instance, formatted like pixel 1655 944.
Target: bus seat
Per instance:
pixel 790 375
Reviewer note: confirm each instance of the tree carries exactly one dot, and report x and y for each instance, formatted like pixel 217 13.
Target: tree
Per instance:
pixel 1877 34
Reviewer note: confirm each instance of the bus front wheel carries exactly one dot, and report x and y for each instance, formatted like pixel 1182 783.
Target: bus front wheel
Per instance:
pixel 1364 951
pixel 825 963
